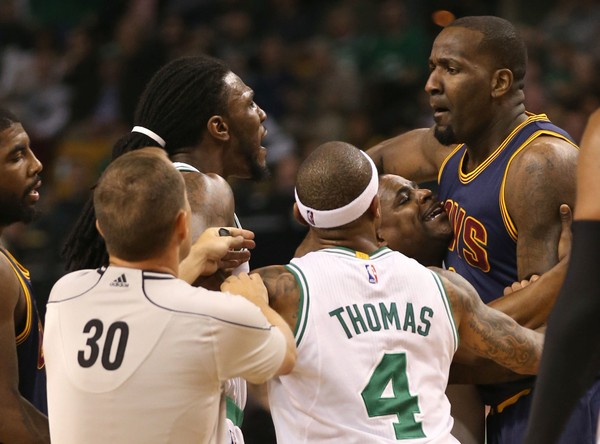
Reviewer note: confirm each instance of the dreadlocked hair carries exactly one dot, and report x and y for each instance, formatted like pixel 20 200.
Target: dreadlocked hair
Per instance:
pixel 176 104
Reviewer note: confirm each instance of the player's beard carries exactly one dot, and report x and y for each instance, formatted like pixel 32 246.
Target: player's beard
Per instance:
pixel 16 209
pixel 258 172
pixel 445 136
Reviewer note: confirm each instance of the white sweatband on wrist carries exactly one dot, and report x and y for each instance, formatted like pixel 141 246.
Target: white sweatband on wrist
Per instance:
pixel 151 134
pixel 346 214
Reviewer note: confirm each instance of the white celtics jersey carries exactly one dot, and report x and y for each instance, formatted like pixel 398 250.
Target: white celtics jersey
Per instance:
pixel 375 339
pixel 142 357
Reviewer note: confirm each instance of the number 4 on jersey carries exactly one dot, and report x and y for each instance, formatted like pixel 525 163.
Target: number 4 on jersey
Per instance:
pixel 392 368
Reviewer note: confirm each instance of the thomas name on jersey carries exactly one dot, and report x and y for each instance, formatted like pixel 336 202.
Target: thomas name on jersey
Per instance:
pixel 370 317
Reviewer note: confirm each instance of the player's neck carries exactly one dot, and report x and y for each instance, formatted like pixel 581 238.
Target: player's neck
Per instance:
pixel 353 238
pixel 207 159
pixel 484 142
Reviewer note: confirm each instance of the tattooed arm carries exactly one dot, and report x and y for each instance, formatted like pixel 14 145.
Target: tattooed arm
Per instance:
pixel 284 293
pixel 489 333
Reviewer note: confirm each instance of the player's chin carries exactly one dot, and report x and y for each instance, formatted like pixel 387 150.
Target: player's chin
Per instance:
pixel 439 227
pixel 261 156
pixel 444 134
pixel 258 166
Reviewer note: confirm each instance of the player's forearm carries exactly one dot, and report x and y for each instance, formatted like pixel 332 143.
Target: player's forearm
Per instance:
pixel 192 267
pixel 531 305
pixel 493 335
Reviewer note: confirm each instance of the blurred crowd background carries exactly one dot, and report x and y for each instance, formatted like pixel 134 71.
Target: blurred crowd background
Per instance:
pixel 351 70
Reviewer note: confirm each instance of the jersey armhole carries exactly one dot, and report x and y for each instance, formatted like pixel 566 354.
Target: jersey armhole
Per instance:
pixel 447 306
pixel 303 305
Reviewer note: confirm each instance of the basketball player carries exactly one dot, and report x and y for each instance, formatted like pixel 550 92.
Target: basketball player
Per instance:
pixel 22 372
pixel 503 174
pixel 375 330
pixel 136 355
pixel 571 362
pixel 413 222
pixel 205 118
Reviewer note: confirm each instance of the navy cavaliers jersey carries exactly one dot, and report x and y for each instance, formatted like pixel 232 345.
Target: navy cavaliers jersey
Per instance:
pixel 484 248
pixel 32 374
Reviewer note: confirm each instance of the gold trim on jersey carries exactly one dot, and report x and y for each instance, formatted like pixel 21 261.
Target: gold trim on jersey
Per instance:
pixel 465 178
pixel 443 165
pixel 508 222
pixel 16 266
pixel 510 401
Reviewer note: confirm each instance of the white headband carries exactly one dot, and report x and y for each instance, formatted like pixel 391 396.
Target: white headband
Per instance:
pixel 346 214
pixel 151 134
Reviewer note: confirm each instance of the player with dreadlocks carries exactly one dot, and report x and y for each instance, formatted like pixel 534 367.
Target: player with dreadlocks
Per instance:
pixel 205 118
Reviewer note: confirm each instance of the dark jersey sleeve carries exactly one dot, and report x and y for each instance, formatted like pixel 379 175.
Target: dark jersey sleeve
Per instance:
pixel 571 357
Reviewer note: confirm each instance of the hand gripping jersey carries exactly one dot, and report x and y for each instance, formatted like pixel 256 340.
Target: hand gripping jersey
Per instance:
pixel 32 373
pixel 484 249
pixel 375 337
pixel 236 390
pixel 139 357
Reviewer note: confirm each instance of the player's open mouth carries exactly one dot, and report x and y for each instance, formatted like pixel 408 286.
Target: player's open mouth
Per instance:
pixel 434 212
pixel 33 193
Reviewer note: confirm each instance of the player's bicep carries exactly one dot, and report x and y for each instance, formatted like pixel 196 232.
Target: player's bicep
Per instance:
pixel 9 293
pixel 538 182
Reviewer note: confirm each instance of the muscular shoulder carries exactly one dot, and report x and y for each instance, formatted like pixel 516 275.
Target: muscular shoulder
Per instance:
pixel 545 159
pixel 541 177
pixel 548 153
pixel 284 292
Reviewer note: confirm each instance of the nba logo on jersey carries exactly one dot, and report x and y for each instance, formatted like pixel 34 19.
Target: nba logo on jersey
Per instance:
pixel 310 217
pixel 372 273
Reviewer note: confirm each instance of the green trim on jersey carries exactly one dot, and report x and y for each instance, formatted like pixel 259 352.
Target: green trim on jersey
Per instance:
pixel 303 304
pixel 447 306
pixel 344 251
pixel 234 412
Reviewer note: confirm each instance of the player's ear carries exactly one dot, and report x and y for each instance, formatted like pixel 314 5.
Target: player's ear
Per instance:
pixel 502 81
pixel 182 226
pixel 298 216
pixel 218 128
